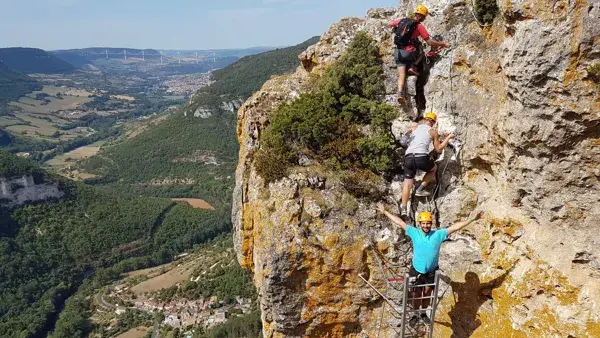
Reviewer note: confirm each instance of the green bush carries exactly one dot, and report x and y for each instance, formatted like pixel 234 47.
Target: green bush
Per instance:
pixel 486 10
pixel 364 184
pixel 330 122
pixel 594 73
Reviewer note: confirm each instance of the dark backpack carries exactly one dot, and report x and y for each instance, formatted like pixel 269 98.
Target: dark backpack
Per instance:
pixel 403 31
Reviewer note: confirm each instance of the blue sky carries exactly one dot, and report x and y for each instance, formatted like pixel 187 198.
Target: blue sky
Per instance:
pixel 171 24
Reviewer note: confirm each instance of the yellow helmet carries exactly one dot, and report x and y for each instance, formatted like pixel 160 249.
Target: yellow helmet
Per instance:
pixel 421 9
pixel 425 216
pixel 431 115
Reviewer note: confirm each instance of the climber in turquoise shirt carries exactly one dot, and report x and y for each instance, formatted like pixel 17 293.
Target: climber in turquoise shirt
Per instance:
pixel 426 246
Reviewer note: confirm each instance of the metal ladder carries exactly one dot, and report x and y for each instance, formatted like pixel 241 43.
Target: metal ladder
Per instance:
pixel 404 306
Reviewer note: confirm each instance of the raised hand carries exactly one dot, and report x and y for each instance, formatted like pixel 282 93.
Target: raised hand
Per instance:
pixel 479 215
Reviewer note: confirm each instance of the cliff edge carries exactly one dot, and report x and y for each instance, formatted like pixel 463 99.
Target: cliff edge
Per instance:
pixel 522 95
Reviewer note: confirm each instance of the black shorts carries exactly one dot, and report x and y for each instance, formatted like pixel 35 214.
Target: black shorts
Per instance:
pixel 412 163
pixel 423 278
pixel 406 58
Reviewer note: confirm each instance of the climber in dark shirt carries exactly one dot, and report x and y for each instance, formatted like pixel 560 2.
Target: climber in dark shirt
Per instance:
pixel 411 54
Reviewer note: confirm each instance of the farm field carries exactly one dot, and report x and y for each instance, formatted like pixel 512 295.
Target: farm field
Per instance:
pixel 138 332
pixel 30 105
pixel 6 121
pixel 195 203
pixel 166 280
pixel 43 127
pixel 72 156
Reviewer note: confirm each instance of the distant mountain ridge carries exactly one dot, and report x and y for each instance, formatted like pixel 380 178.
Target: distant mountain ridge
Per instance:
pixel 33 60
pixel 206 128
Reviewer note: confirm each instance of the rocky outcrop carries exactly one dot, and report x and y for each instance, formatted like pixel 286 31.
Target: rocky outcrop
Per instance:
pixel 18 191
pixel 226 106
pixel 518 95
pixel 232 105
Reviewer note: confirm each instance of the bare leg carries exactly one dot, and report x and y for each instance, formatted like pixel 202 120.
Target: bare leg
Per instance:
pixel 427 293
pixel 416 303
pixel 429 177
pixel 406 186
pixel 401 77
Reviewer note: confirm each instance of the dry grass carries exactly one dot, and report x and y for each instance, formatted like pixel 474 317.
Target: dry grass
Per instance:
pixel 149 271
pixel 137 127
pixel 30 105
pixel 76 154
pixel 40 128
pixel 6 121
pixel 166 280
pixel 79 92
pixel 77 176
pixel 122 97
pixel 137 332
pixel 195 203
pixel 52 90
pixel 31 131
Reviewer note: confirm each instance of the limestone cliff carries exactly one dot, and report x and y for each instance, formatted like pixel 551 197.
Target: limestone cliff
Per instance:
pixel 21 190
pixel 520 96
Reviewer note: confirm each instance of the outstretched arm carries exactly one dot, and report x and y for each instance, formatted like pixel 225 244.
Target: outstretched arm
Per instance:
pixel 437 145
pixel 435 43
pixel 392 217
pixel 457 226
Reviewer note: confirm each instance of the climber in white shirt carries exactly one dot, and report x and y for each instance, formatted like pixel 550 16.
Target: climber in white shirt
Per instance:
pixel 417 157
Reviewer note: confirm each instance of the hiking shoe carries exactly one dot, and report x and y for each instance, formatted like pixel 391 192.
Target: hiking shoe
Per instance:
pixel 413 71
pixel 413 321
pixel 403 214
pixel 425 319
pixel 422 193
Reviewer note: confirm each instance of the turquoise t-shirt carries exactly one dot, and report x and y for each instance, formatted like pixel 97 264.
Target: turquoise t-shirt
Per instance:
pixel 426 247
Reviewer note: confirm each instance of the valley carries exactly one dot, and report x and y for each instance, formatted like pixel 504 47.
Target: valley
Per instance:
pixel 134 234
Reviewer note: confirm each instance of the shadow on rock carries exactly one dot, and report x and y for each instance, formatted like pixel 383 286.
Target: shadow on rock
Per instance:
pixel 468 298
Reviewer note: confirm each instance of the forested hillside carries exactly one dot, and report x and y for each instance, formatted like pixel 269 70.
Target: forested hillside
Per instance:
pixel 47 249
pixel 33 60
pixel 241 79
pixel 188 156
pixel 14 85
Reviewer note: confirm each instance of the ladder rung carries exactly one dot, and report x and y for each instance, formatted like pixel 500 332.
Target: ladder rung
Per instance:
pixel 421 285
pixel 420 298
pixel 419 310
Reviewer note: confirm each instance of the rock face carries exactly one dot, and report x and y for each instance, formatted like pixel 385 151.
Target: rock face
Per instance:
pixel 519 96
pixel 206 112
pixel 18 191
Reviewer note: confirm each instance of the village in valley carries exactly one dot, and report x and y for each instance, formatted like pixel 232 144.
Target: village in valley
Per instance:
pixel 172 296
